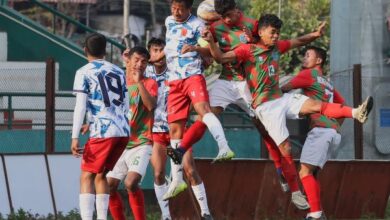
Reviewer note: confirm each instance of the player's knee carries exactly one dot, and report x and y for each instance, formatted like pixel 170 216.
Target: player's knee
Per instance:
pixel 87 177
pixel 131 185
pixel 285 148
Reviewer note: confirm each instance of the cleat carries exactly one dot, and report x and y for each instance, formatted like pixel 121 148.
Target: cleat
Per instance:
pixel 283 183
pixel 224 155
pixel 322 217
pixel 299 200
pixel 206 217
pixel 175 188
pixel 175 154
pixel 364 109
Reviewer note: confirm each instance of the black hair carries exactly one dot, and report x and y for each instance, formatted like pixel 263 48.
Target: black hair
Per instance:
pixel 156 41
pixel 223 6
pixel 141 51
pixel 95 44
pixel 187 3
pixel 320 53
pixel 272 20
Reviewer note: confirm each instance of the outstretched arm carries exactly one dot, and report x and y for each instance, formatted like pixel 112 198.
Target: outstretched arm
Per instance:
pixel 308 38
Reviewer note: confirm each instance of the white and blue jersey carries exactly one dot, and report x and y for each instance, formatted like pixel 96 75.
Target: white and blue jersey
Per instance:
pixel 182 66
pixel 108 99
pixel 160 113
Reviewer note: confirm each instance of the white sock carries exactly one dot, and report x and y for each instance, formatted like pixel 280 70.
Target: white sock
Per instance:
pixel 200 194
pixel 315 214
pixel 102 206
pixel 164 205
pixel 87 205
pixel 175 143
pixel 176 172
pixel 215 128
pixel 354 111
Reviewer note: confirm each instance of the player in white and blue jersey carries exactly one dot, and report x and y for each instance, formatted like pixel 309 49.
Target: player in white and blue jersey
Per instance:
pixel 101 92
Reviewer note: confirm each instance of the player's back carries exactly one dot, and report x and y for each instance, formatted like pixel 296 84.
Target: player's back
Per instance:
pixel 107 103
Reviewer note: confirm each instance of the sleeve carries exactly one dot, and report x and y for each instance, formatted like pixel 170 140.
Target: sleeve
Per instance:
pixel 80 84
pixel 199 29
pixel 242 52
pixel 337 97
pixel 79 113
pixel 302 80
pixel 284 45
pixel 151 86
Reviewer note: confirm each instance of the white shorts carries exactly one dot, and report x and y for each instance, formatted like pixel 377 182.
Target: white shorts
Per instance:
pixel 273 114
pixel 319 146
pixel 225 92
pixel 132 160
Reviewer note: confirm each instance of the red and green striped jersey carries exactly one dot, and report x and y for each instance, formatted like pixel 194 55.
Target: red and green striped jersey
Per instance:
pixel 229 38
pixel 316 86
pixel 141 119
pixel 262 69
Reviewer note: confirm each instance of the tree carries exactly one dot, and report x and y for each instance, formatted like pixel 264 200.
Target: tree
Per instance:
pixel 299 17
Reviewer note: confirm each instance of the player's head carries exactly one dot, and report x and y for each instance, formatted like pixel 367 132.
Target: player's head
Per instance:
pixel 206 12
pixel 269 29
pixel 156 47
pixel 181 9
pixel 228 10
pixel 95 45
pixel 137 59
pixel 314 56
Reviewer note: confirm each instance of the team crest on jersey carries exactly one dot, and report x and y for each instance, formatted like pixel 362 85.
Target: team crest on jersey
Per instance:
pixel 260 59
pixel 243 38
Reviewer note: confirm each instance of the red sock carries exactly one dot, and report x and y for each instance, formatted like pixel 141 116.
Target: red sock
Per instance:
pixel 116 206
pixel 137 204
pixel 335 110
pixel 290 172
pixel 312 190
pixel 273 150
pixel 194 133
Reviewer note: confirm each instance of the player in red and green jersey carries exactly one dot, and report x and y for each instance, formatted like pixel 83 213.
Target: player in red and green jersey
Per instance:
pixel 134 160
pixel 324 135
pixel 271 106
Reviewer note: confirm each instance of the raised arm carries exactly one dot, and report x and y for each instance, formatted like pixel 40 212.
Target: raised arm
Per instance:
pixel 216 52
pixel 308 38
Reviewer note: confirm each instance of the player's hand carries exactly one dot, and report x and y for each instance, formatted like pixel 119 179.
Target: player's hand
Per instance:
pixel 137 76
pixel 125 55
pixel 321 29
pixel 248 34
pixel 188 48
pixel 207 36
pixel 75 148
pixel 84 129
pixel 157 57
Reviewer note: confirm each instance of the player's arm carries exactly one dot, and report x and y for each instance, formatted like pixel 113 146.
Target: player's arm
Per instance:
pixel 308 38
pixel 78 118
pixel 301 81
pixel 216 52
pixel 148 99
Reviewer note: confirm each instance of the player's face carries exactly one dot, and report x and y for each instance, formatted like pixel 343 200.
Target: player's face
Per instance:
pixel 231 17
pixel 269 35
pixel 155 51
pixel 310 59
pixel 179 11
pixel 137 63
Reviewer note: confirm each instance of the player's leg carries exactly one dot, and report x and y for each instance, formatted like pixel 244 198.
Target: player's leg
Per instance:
pixel 315 152
pixel 158 161
pixel 87 195
pixel 116 147
pixel 336 110
pixel 196 184
pixel 114 178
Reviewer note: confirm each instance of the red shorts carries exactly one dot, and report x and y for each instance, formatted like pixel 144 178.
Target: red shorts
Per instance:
pixel 163 139
pixel 101 154
pixel 184 92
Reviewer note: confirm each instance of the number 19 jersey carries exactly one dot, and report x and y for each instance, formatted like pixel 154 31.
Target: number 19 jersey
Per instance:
pixel 108 100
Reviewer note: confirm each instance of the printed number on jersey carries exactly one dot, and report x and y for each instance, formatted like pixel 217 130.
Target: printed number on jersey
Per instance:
pixel 112 90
